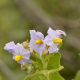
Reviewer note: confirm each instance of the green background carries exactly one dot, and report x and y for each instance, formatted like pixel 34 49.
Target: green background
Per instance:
pixel 17 17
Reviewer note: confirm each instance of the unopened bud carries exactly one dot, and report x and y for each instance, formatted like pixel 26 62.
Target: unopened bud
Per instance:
pixel 24 67
pixel 45 51
pixel 30 69
pixel 62 33
pixel 25 44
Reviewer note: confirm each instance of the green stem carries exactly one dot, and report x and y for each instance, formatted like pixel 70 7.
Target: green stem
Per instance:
pixel 47 78
pixel 45 73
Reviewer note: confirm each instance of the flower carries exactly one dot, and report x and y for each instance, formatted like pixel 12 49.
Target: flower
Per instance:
pixel 52 40
pixel 21 55
pixel 10 46
pixel 37 41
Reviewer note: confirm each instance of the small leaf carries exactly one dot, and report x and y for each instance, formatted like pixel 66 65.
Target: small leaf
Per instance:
pixel 77 76
pixel 60 45
pixel 54 61
pixel 42 62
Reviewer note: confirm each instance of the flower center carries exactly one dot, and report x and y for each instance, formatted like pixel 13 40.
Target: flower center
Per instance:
pixel 38 41
pixel 57 40
pixel 18 57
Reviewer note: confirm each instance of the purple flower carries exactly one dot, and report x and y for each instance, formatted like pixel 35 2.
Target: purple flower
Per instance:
pixel 21 55
pixel 37 41
pixel 52 40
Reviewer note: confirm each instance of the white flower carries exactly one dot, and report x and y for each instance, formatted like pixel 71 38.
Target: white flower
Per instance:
pixel 37 41
pixel 21 55
pixel 52 40
pixel 10 46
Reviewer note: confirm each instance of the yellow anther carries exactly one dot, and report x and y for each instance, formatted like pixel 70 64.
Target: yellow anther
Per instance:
pixel 57 40
pixel 18 57
pixel 38 41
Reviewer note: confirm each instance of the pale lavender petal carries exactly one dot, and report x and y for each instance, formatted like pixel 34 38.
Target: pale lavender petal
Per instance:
pixel 33 34
pixel 13 56
pixel 24 61
pixel 10 46
pixel 40 35
pixel 19 48
pixel 40 48
pixel 53 48
pixel 32 44
pixel 48 40
pixel 26 54
pixel 53 33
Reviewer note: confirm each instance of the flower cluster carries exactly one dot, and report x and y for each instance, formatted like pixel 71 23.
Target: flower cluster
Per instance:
pixel 21 52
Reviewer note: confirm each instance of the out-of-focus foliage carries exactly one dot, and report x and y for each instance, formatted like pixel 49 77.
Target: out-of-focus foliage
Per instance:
pixel 77 76
pixel 17 18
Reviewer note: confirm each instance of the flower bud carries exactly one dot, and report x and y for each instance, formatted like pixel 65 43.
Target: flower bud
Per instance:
pixel 45 51
pixel 62 33
pixel 25 44
pixel 24 67
pixel 30 69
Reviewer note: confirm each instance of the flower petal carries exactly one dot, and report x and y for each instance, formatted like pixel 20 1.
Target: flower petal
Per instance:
pixel 48 40
pixel 33 34
pixel 53 48
pixel 26 54
pixel 53 33
pixel 10 46
pixel 24 61
pixel 40 35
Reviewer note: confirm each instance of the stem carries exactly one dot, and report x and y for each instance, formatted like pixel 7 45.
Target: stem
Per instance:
pixel 47 78
pixel 42 73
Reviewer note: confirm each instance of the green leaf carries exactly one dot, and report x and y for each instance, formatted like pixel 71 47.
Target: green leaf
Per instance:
pixel 55 76
pixel 44 73
pixel 60 45
pixel 41 61
pixel 37 60
pixel 38 78
pixel 77 76
pixel 54 61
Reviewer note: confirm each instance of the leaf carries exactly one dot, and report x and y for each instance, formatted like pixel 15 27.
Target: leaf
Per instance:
pixel 44 73
pixel 60 45
pixel 55 76
pixel 77 76
pixel 36 58
pixel 54 61
pixel 41 61
pixel 38 78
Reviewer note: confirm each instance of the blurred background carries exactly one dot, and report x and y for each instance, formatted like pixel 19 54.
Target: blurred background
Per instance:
pixel 17 17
